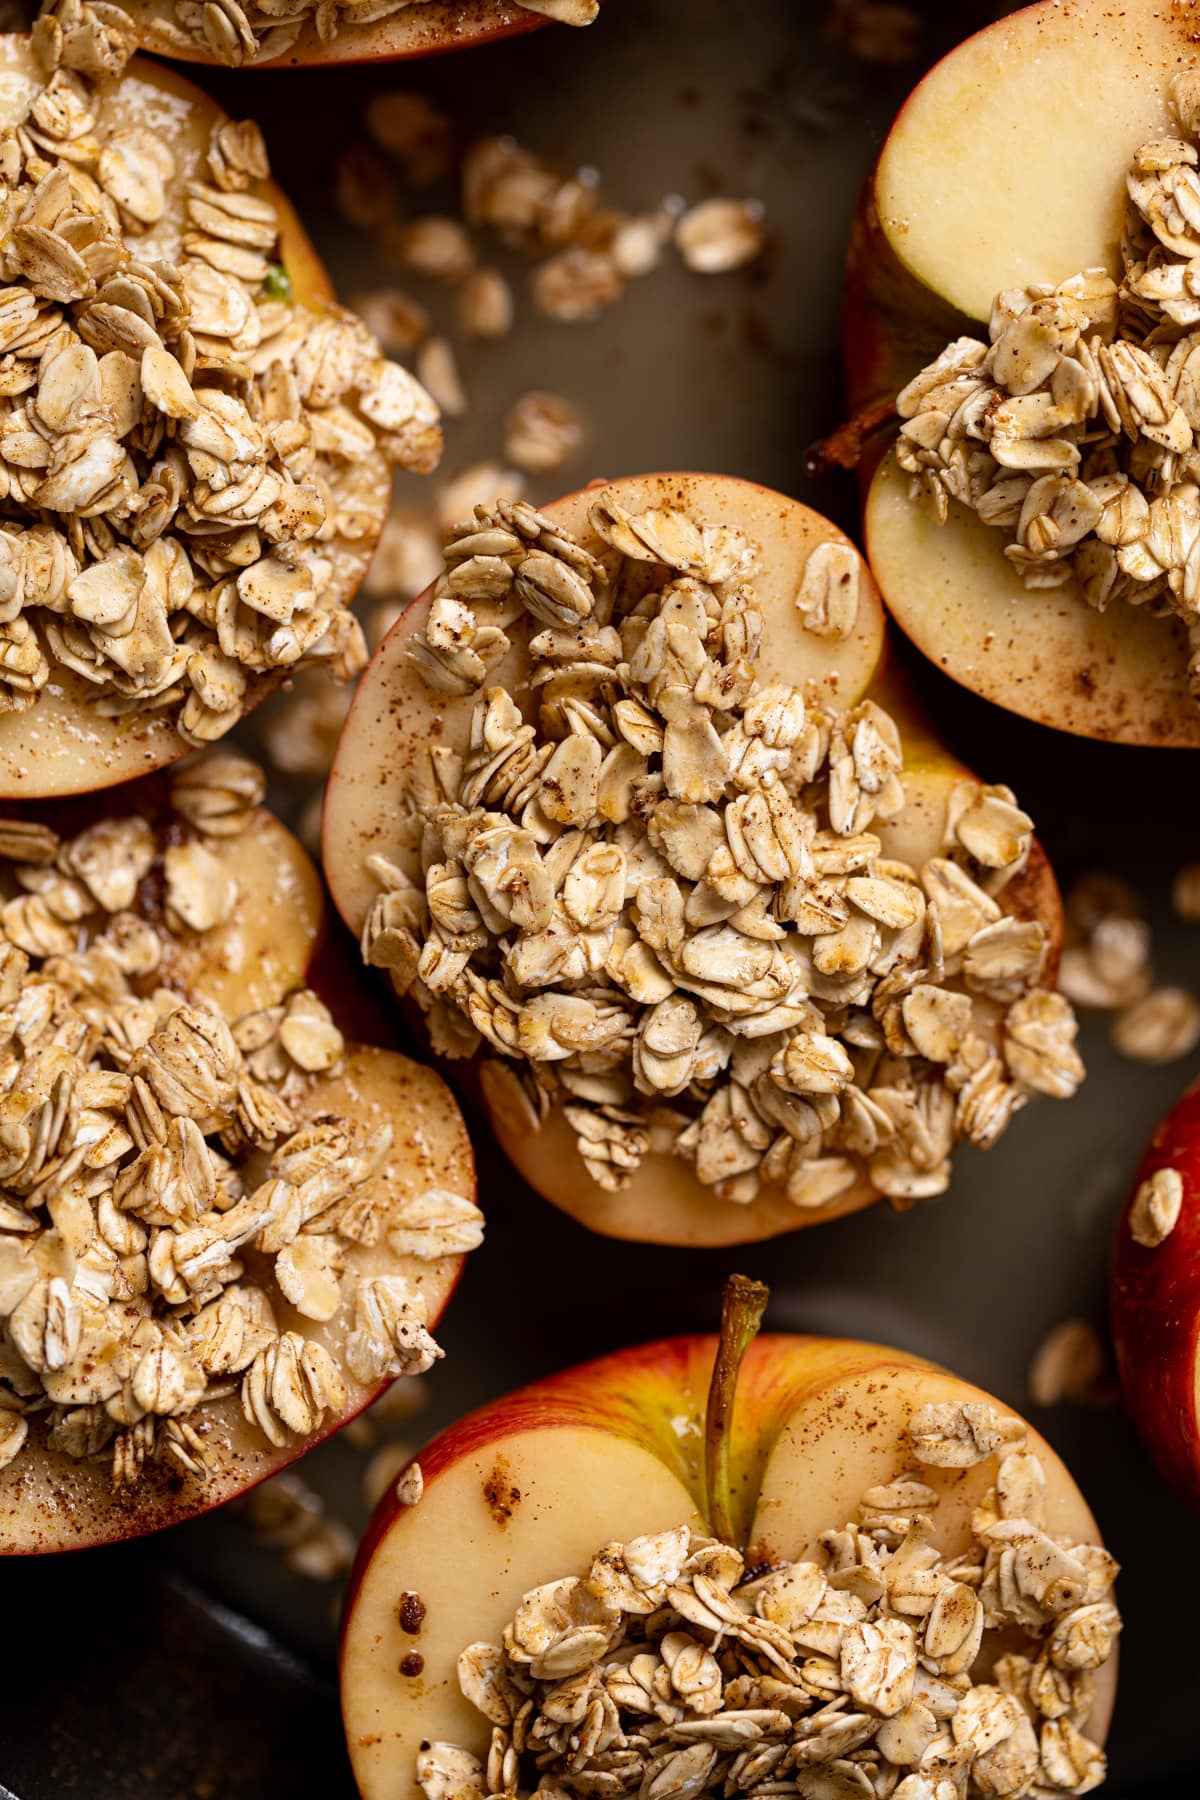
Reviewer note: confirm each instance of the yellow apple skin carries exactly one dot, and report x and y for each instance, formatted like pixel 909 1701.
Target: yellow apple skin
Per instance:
pixel 275 939
pixel 529 1488
pixel 421 30
pixel 61 745
pixel 926 258
pixel 394 716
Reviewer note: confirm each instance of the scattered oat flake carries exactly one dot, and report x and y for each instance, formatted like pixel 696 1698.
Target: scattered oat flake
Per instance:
pixel 1160 1028
pixel 719 235
pixel 542 433
pixel 386 1465
pixel 876 31
pixel 438 372
pixel 1156 1205
pixel 411 1485
pixel 1067 1365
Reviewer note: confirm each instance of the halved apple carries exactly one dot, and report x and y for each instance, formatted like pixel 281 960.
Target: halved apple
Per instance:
pixel 419 28
pixel 395 716
pixel 272 940
pixel 1005 167
pixel 62 744
pixel 1156 1298
pixel 531 1489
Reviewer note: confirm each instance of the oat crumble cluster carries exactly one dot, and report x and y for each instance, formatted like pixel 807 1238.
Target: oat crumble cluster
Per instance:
pixel 882 1667
pixel 265 29
pixel 157 1187
pixel 659 900
pixel 1075 430
pixel 192 466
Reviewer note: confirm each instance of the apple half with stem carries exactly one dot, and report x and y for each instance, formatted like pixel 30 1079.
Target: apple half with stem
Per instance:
pixel 559 1475
pixel 62 743
pixel 1006 167
pixel 1155 1298
pixel 396 716
pixel 428 28
pixel 94 1450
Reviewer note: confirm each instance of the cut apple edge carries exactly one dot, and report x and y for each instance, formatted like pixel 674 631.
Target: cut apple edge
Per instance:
pixel 1118 675
pixel 529 1489
pixel 429 30
pixel 50 1502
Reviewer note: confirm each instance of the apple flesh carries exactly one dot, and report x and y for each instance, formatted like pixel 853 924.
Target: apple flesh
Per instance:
pixel 61 744
pixel 531 1487
pixel 1006 166
pixel 1119 675
pixel 417 30
pixel 394 716
pixel 273 941
pixel 1156 1310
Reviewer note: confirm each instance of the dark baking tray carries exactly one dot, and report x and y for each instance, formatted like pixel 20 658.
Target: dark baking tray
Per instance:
pixel 192 1667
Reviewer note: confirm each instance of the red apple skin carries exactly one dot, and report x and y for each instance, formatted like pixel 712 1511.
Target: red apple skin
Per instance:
pixel 892 325
pixel 1156 1310
pixel 634 1393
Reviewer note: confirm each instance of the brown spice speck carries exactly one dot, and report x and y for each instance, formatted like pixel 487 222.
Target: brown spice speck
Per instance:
pixel 412 1614
pixel 501 1493
pixel 412 1664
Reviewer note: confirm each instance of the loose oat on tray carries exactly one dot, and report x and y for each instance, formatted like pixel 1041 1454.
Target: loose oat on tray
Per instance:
pixel 651 890
pixel 193 462
pixel 880 1665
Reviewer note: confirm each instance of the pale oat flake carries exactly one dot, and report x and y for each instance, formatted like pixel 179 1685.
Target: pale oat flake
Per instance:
pixel 661 900
pixel 668 1668
pixel 1159 1028
pixel 1156 1206
pixel 1067 1365
pixel 410 1486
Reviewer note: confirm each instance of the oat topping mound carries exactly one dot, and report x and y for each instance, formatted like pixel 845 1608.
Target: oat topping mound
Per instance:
pixel 651 885
pixel 881 1666
pixel 192 464
pixel 238 34
pixel 158 1188
pixel 1074 431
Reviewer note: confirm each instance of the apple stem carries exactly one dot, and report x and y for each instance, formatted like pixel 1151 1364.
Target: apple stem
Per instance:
pixel 743 1303
pixel 845 447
